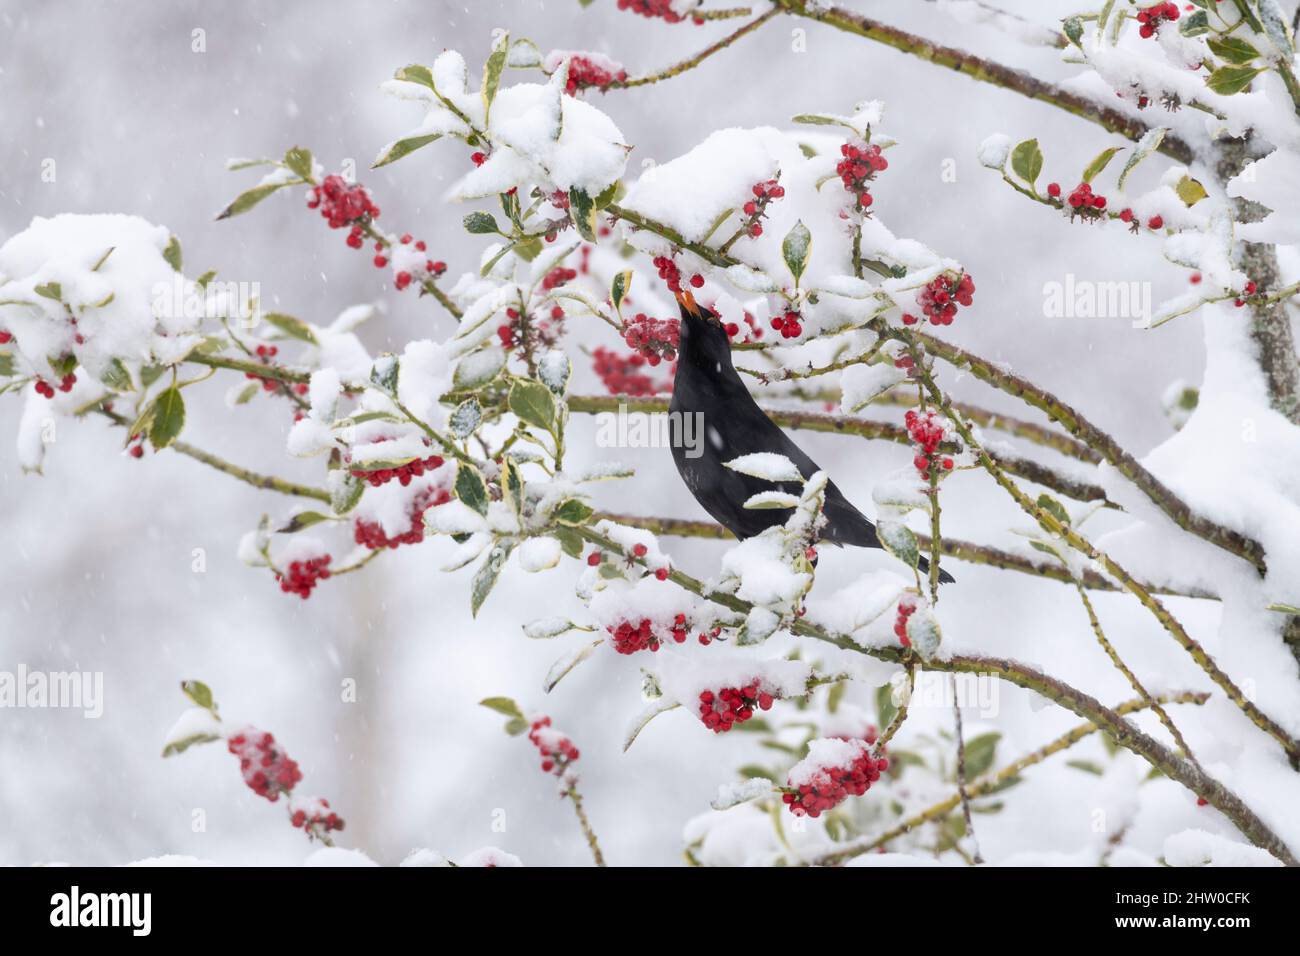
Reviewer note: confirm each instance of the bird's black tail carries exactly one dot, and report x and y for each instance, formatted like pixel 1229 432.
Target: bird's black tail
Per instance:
pixel 944 577
pixel 847 525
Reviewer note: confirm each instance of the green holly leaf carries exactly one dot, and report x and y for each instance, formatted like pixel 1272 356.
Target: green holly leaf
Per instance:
pixel 200 693
pixel 1190 191
pixel 496 63
pixel 294 328
pixel 299 162
pixel 980 752
pixel 1195 25
pixel 401 148
pixel 168 417
pixel 1227 80
pixel 415 73
pixel 502 705
pixel 1027 160
pixel 481 224
pixel 534 403
pixel 796 248
pixel 471 489
pixel 248 199
pixel 172 253
pixel 573 512
pixel 583 213
pixel 899 541
pixel 302 520
pixel 1101 161
pixel 619 288
pixel 1054 508
pixel 1232 49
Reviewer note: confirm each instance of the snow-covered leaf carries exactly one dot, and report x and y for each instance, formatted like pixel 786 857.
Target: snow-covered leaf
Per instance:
pixel 766 465
pixel 638 724
pixel 795 248
pixel 486 576
pixel 568 662
pixel 772 499
pixel 465 418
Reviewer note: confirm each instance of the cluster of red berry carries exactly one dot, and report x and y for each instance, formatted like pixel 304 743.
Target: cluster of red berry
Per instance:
pixel 5 337
pixel 267 769
pixel 371 533
pixel 790 325
pixel 1155 223
pixel 303 576
pixel 732 705
pixel 831 786
pixel 557 749
pixel 407 256
pixel 625 374
pixel 858 168
pixel 672 276
pixel 657 8
pixel 1249 290
pixel 940 298
pixel 313 815
pixel 558 277
pixel 753 334
pixel 135 446
pixel 927 432
pixel 402 473
pixel 342 203
pixel 1151 17
pixel 585 74
pixel 46 390
pixel 537 332
pixel 655 339
pixel 906 608
pixel 1082 200
pixel 755 210
pixel 630 638
pixel 265 353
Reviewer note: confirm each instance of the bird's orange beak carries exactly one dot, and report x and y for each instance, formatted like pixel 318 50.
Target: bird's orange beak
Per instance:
pixel 687 302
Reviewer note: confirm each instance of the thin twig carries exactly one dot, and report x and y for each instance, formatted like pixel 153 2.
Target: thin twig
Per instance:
pixel 690 63
pixel 1124 669
pixel 265 482
pixel 592 843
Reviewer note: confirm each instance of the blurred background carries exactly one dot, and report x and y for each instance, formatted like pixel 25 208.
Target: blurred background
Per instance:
pixel 97 556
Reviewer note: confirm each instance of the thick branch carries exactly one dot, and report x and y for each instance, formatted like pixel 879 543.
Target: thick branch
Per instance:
pixel 986 71
pixel 951 547
pixel 1078 426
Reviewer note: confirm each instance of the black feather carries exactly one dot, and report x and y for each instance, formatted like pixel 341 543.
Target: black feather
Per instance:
pixel 707 382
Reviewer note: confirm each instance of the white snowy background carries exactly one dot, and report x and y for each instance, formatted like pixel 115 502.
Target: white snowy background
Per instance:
pixel 96 556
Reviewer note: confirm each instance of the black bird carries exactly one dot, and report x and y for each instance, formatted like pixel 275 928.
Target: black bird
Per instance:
pixel 707 383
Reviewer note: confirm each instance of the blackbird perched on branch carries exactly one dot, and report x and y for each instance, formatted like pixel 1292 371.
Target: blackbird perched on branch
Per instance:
pixel 707 384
